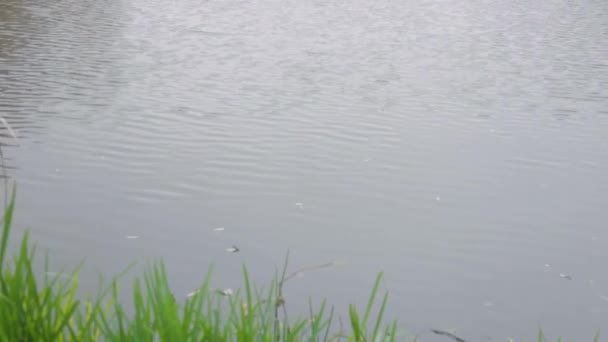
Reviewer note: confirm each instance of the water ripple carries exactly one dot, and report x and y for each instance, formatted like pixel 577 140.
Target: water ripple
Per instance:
pixel 452 140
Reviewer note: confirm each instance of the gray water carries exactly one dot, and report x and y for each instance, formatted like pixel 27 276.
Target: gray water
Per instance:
pixel 459 146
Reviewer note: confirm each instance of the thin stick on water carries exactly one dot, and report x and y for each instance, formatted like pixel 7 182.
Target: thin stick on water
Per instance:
pixel 308 268
pixel 280 301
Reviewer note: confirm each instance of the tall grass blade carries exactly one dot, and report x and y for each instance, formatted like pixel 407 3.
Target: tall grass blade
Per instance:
pixel 379 317
pixel 355 323
pixel 7 221
pixel 372 298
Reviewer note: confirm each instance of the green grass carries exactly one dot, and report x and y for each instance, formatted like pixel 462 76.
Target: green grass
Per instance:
pixel 47 308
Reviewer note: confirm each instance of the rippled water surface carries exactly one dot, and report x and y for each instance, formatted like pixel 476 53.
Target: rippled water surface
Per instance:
pixel 460 146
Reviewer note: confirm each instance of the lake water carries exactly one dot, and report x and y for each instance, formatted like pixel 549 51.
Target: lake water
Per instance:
pixel 459 146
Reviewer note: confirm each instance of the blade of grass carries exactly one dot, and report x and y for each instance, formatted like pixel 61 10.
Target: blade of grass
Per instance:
pixel 379 317
pixel 6 229
pixel 372 298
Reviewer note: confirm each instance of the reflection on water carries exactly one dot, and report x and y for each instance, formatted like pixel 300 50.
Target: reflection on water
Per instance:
pixel 458 146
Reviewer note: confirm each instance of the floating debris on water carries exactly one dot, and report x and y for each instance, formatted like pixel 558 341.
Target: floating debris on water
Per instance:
pixel 447 334
pixel 300 205
pixel 437 198
pixel 565 276
pixel 226 292
pixel 233 249
pixel 192 294
pixel 219 229
pixel 131 237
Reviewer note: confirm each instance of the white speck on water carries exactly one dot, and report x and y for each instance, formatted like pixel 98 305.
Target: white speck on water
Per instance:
pixel 131 237
pixel 565 276
pixel 547 265
pixel 437 198
pixel 300 205
pixel 192 294
pixel 366 160
pixel 218 229
pixel 233 249
pixel 226 292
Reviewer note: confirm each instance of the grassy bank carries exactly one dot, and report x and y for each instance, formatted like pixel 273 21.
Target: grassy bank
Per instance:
pixel 46 308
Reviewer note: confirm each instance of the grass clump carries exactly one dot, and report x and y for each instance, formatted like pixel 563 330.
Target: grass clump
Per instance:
pixel 47 308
